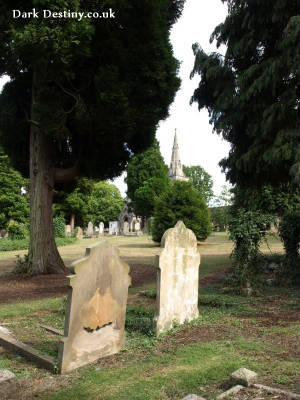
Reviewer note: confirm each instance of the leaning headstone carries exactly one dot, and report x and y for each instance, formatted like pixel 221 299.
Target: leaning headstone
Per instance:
pixel 79 233
pixel 90 229
pixel 9 386
pixel 101 228
pixel 177 283
pixel 68 231
pixel 96 307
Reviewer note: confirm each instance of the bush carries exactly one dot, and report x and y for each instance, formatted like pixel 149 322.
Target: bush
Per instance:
pixel 289 232
pixel 59 227
pixel 10 245
pixel 16 231
pixel 181 201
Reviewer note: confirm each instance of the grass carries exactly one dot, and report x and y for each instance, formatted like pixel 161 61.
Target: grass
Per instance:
pixel 194 358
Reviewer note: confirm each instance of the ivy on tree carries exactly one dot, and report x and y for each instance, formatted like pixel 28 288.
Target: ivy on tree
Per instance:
pixel 83 97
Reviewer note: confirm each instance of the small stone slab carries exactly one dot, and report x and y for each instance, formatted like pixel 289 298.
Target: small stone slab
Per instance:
pixel 193 397
pixel 30 353
pixel 229 392
pixel 244 376
pixel 292 396
pixel 8 384
pixel 52 330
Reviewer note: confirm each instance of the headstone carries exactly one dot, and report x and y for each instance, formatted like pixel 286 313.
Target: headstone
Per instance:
pixel 178 275
pixel 3 233
pixel 79 233
pixel 90 229
pixel 101 228
pixel 125 228
pixel 96 307
pixel 137 226
pixel 113 228
pixel 68 231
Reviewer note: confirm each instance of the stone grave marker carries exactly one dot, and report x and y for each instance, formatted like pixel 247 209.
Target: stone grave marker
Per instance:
pixel 101 228
pixel 68 230
pixel 113 228
pixel 178 276
pixel 90 229
pixel 125 228
pixel 96 307
pixel 79 233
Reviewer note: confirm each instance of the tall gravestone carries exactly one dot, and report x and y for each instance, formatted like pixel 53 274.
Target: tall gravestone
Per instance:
pixel 90 229
pixel 178 276
pixel 96 307
pixel 101 228
pixel 79 232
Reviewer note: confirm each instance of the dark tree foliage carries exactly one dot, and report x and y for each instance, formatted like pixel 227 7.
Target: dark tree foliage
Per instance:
pixel 181 202
pixel 84 96
pixel 252 94
pixel 147 178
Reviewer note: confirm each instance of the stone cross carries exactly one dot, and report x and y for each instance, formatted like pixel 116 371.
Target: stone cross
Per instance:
pixel 96 307
pixel 178 276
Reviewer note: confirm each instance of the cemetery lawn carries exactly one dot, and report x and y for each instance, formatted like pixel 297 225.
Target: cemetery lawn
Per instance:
pixel 260 333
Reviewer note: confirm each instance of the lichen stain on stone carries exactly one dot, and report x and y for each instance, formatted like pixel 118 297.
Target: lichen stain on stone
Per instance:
pixel 99 311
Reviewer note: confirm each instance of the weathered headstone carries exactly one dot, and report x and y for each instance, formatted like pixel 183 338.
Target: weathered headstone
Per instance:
pixel 68 231
pixel 101 228
pixel 125 228
pixel 177 283
pixel 90 229
pixel 113 228
pixel 96 307
pixel 79 233
pixel 137 226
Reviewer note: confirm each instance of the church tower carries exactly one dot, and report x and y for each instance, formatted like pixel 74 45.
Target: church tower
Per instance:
pixel 175 171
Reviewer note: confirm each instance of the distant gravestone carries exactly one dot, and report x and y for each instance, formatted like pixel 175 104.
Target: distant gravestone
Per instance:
pixel 90 229
pixel 137 226
pixel 101 228
pixel 125 228
pixel 113 228
pixel 79 233
pixel 68 231
pixel 96 307
pixel 178 275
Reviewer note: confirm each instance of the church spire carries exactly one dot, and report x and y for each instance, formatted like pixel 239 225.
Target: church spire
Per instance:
pixel 175 170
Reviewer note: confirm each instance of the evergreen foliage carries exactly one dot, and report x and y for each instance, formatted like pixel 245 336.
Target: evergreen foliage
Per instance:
pixel 252 94
pixel 147 178
pixel 181 201
pixel 59 227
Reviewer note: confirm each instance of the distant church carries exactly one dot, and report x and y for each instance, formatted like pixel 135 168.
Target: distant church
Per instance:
pixel 175 171
pixel 128 221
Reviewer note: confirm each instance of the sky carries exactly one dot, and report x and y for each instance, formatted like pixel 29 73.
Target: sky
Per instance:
pixel 197 144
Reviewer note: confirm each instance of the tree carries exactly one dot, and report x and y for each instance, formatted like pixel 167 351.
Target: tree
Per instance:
pixel 252 94
pixel 105 203
pixel 13 204
pixel 181 201
pixel 83 97
pixel 147 178
pixel 201 180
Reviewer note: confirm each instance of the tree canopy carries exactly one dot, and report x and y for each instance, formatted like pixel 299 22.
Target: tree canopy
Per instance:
pixel 201 180
pixel 147 177
pixel 252 93
pixel 181 201
pixel 83 97
pixel 13 204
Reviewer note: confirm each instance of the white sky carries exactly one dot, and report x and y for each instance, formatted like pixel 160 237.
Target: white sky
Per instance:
pixel 197 144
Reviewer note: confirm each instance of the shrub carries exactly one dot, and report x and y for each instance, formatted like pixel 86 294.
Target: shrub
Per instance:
pixel 181 201
pixel 289 232
pixel 59 227
pixel 9 245
pixel 16 231
pixel 247 229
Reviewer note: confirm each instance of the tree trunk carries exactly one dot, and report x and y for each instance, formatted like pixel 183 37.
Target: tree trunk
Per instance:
pixel 72 223
pixel 44 257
